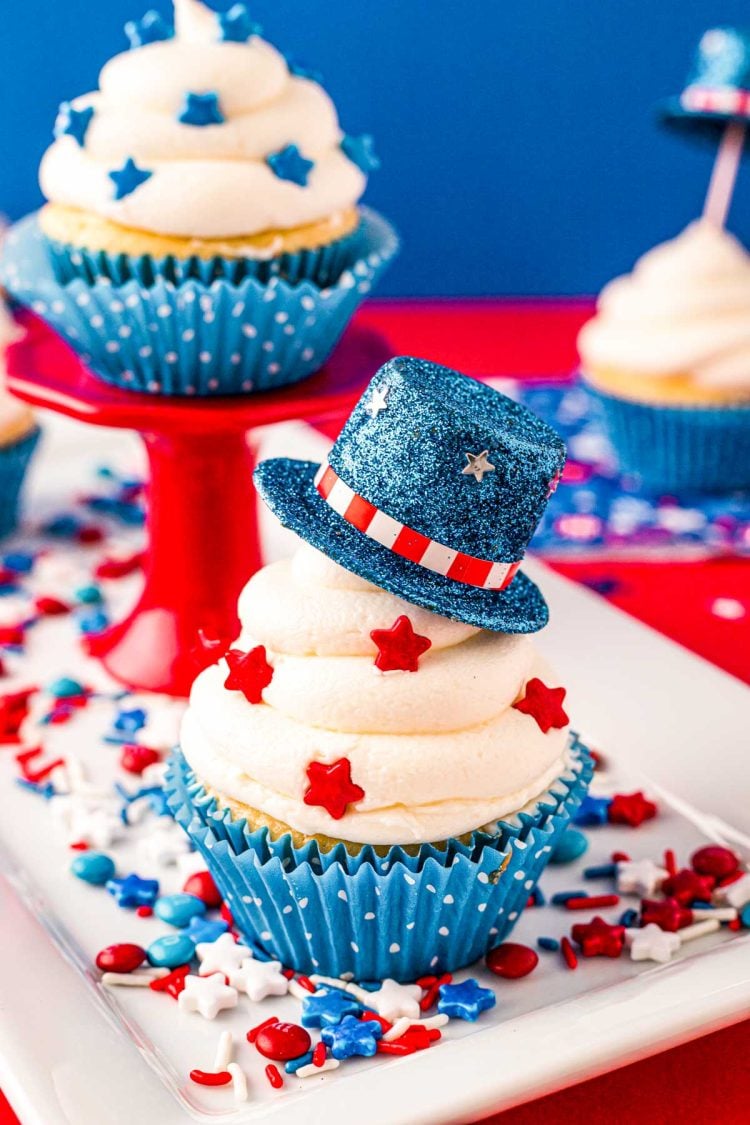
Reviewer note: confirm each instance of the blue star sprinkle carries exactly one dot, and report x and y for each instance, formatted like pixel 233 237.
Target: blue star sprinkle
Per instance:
pixel 592 811
pixel 465 1001
pixel 129 722
pixel 327 1008
pixel 361 151
pixel 151 29
pixel 236 25
pixel 203 931
pixel 202 109
pixel 352 1037
pixel 290 164
pixel 128 178
pixel 72 122
pixel 133 891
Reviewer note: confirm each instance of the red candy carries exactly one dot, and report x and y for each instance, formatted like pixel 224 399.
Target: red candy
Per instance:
pixel 50 607
pixel 399 648
pixel 714 860
pixel 226 914
pixel 598 938
pixel 249 672
pixel 120 567
pixel 569 953
pixel 208 1078
pixel 511 960
pixel 544 705
pixel 319 1054
pixel 331 787
pixel 273 1076
pixel 173 983
pixel 669 915
pixel 14 708
pixel 282 1041
pixel 416 1038
pixel 687 886
pixel 123 958
pixel 135 759
pixel 592 902
pixel 202 886
pixel 144 911
pixel 630 809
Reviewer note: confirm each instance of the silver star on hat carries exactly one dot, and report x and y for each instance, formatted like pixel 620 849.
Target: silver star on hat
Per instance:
pixel 478 465
pixel 378 402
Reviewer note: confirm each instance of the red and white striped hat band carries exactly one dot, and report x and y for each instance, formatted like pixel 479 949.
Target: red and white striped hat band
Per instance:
pixel 406 542
pixel 716 99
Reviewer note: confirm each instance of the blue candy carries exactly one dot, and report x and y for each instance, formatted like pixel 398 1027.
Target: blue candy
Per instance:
pixel 170 951
pixel 201 930
pixel 19 561
pixel 294 1065
pixel 92 623
pixel 569 847
pixel 562 897
pixel 603 871
pixel 88 595
pixel 592 811
pixel 629 918
pixel 65 687
pixel 327 1008
pixel 93 867
pixel 550 944
pixel 133 891
pixel 352 1037
pixel 465 1001
pixel 745 917
pixel 129 722
pixel 179 909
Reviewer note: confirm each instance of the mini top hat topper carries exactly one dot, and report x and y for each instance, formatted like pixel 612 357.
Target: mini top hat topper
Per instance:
pixel 715 105
pixel 432 491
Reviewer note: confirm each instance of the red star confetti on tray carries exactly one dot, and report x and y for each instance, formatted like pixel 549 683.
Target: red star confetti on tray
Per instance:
pixel 544 704
pixel 669 915
pixel 399 648
pixel 598 938
pixel 249 672
pixel 688 886
pixel 631 809
pixel 331 787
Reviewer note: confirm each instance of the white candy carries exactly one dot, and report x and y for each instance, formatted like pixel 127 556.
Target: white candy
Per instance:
pixel 224 1051
pixel 652 943
pixel 699 929
pixel 99 827
pixel 394 1001
pixel 207 995
pixel 311 1069
pixel 735 894
pixel 239 1082
pixel 225 955
pixel 164 845
pixel 642 878
pixel 259 979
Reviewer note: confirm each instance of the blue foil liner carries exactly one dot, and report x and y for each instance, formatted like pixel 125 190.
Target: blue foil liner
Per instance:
pixel 322 265
pixel 396 915
pixel 195 339
pixel 14 461
pixel 680 448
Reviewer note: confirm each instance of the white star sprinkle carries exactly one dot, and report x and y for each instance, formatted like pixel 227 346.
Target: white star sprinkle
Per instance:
pixel 259 979
pixel 207 995
pixel 164 846
pixel 224 955
pixel 394 1000
pixel 735 894
pixel 478 465
pixel 378 402
pixel 641 878
pixel 652 943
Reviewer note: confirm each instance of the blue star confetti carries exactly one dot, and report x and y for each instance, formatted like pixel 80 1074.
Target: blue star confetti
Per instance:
pixel 130 722
pixel 361 151
pixel 592 811
pixel 352 1037
pixel 465 1001
pixel 327 1008
pixel 204 931
pixel 151 29
pixel 72 122
pixel 129 178
pixel 133 891
pixel 202 109
pixel 236 25
pixel 290 164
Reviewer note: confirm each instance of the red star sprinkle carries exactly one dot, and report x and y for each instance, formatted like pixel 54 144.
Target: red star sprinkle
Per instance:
pixel 249 672
pixel 332 788
pixel 173 983
pixel 630 809
pixel 14 708
pixel 669 915
pixel 399 648
pixel 598 938
pixel 687 886
pixel 544 704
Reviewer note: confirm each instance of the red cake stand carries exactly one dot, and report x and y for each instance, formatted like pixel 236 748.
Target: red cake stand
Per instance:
pixel 203 542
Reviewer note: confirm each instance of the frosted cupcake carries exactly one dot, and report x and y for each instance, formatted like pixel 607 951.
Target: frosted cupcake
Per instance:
pixel 203 232
pixel 668 354
pixel 379 768
pixel 19 433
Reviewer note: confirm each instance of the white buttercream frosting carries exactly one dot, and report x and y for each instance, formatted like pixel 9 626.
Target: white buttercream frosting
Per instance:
pixel 207 181
pixel 684 310
pixel 438 752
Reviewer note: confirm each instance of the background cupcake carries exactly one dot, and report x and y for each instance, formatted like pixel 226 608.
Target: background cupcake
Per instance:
pixel 201 158
pixel 376 784
pixel 19 433
pixel 668 354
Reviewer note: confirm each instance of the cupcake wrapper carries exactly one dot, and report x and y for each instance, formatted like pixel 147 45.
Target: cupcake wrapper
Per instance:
pixel 397 915
pixel 14 461
pixel 196 339
pixel 680 448
pixel 322 265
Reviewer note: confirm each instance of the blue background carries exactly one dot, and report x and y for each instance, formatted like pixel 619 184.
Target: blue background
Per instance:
pixel 520 154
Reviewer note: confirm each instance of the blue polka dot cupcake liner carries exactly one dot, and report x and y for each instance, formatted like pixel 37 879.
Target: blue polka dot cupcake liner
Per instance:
pixel 193 338
pixel 14 461
pixel 679 449
pixel 322 265
pixel 375 916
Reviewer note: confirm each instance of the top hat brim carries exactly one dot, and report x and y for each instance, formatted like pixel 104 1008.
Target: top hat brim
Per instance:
pixel 288 488
pixel 702 125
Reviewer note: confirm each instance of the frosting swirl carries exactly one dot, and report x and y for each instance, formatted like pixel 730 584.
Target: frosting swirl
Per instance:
pixel 208 173
pixel 684 310
pixel 438 752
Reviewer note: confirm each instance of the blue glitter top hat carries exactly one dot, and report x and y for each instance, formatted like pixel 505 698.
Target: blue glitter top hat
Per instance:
pixel 432 491
pixel 718 90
